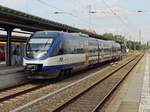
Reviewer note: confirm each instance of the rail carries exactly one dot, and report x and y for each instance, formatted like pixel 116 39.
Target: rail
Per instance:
pixel 37 101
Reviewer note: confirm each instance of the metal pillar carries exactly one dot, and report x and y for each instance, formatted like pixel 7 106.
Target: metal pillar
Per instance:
pixel 8 46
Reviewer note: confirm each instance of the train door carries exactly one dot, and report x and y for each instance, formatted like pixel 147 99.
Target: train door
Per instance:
pixel 86 60
pixel 101 52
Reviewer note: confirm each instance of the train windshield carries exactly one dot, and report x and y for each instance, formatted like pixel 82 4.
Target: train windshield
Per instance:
pixel 40 43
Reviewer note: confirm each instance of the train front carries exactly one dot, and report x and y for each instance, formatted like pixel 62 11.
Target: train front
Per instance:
pixel 38 50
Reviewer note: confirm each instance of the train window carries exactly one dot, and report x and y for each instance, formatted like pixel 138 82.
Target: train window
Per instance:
pixel 71 46
pixel 81 46
pixel 93 47
pixel 40 43
pixel 58 50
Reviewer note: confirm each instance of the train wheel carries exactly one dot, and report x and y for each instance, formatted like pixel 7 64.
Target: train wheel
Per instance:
pixel 67 72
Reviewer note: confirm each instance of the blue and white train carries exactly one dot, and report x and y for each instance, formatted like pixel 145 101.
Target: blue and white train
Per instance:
pixel 51 54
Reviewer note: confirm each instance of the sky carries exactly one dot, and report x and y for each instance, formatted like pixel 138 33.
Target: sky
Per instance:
pixel 111 16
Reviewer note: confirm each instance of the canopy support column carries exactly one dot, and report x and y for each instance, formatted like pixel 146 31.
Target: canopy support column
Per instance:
pixel 8 46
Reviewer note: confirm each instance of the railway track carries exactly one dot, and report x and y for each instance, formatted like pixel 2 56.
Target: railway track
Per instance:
pixel 13 97
pixel 93 97
pixel 83 94
pixel 19 90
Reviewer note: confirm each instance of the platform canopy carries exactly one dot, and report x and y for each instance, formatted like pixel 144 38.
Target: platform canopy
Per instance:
pixel 17 19
pixel 13 38
pixel 11 19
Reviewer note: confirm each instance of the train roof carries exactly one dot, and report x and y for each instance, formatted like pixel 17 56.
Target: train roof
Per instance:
pixel 49 31
pixel 83 35
pixel 79 34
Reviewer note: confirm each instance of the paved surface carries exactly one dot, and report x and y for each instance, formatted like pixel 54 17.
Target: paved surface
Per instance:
pixel 134 93
pixel 10 76
pixel 2 63
pixel 145 96
pixel 4 67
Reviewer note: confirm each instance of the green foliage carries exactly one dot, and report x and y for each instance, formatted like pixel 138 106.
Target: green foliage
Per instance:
pixel 131 45
pixel 114 37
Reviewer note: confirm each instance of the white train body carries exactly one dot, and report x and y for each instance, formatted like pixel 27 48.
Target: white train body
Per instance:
pixel 49 52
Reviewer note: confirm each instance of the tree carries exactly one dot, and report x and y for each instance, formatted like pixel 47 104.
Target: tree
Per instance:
pixel 133 45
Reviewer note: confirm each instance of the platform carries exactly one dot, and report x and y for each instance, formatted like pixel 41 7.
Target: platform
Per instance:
pixel 133 95
pixel 10 69
pixel 11 76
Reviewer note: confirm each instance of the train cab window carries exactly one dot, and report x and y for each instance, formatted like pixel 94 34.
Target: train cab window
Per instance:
pixel 40 43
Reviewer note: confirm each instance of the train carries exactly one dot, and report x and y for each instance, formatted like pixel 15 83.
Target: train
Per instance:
pixel 52 54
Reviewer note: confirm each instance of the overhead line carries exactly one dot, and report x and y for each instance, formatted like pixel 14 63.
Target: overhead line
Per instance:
pixel 49 5
pixel 114 12
pixel 122 20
